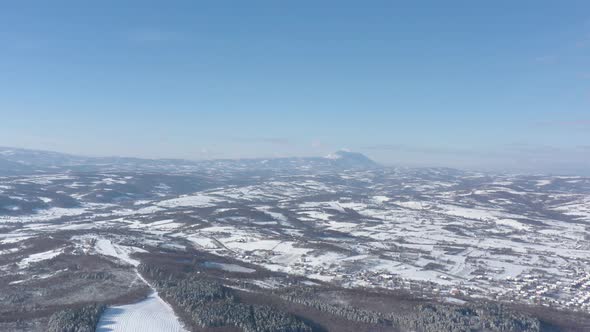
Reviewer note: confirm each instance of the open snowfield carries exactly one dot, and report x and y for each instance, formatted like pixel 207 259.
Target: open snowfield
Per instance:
pixel 98 245
pixel 149 315
pixel 189 201
pixel 228 267
pixel 38 257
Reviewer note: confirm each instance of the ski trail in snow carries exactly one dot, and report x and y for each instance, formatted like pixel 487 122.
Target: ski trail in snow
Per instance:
pixel 149 315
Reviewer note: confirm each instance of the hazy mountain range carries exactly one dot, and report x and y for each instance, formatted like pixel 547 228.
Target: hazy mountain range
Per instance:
pixel 16 161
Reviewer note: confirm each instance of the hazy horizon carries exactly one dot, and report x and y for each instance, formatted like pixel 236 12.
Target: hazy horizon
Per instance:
pixel 458 84
pixel 478 168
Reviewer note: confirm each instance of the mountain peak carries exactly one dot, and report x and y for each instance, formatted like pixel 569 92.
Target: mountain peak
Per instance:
pixel 349 159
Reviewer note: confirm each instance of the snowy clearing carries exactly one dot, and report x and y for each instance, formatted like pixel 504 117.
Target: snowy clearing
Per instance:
pixel 38 257
pixel 149 315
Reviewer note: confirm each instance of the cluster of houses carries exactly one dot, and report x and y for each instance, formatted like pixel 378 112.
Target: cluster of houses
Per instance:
pixel 531 288
pixel 559 294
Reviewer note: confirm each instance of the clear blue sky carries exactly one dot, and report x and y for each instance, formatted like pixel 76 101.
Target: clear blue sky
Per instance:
pixel 483 84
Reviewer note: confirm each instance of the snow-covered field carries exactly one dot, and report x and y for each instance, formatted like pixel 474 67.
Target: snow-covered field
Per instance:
pixel 477 233
pixel 38 257
pixel 228 267
pixel 149 315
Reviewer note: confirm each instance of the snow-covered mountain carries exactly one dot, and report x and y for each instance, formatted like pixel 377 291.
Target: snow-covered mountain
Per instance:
pixel 348 159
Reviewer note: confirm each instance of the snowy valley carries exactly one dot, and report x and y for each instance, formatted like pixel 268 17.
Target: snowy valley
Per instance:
pixel 380 247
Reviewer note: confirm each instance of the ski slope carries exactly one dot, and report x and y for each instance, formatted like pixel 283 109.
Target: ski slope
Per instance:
pixel 149 315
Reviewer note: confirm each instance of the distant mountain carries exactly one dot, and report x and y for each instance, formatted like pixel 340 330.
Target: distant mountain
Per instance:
pixel 339 160
pixel 15 161
pixel 347 159
pixel 25 159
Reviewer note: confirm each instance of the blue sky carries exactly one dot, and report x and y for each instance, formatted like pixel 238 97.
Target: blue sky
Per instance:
pixel 497 84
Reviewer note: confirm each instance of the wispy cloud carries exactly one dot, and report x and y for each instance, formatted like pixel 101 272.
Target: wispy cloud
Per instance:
pixel 422 149
pixel 265 140
pixel 565 123
pixel 512 157
pixel 523 149
pixel 316 144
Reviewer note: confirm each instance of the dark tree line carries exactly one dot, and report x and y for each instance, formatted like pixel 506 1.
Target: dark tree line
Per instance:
pixel 82 319
pixel 433 317
pixel 468 317
pixel 305 296
pixel 210 304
